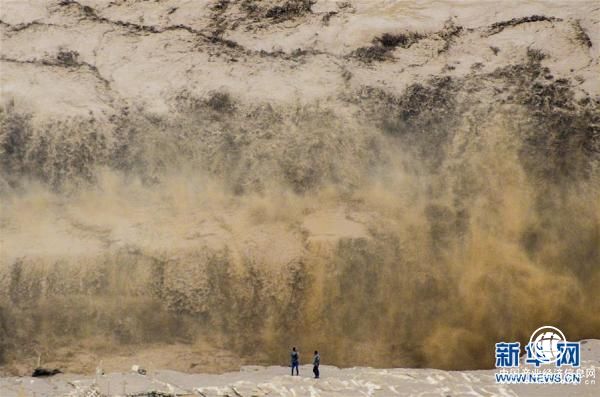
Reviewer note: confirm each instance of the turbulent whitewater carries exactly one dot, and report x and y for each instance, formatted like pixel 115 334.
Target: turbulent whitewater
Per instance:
pixel 200 185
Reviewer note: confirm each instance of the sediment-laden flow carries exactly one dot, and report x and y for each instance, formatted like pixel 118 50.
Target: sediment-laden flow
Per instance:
pixel 390 201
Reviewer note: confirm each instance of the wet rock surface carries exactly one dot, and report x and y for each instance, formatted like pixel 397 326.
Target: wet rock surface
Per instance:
pixel 275 381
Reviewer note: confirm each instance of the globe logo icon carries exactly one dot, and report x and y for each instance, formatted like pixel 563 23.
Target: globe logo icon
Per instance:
pixel 544 344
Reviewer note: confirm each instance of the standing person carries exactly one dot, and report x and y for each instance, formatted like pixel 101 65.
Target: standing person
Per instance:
pixel 316 362
pixel 295 360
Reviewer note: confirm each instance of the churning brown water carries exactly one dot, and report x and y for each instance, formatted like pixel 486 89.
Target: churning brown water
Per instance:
pixel 412 227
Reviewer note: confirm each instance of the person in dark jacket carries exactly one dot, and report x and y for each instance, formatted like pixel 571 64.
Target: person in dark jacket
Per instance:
pixel 316 362
pixel 295 360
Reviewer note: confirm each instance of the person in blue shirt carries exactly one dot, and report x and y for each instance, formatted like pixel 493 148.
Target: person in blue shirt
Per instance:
pixel 295 360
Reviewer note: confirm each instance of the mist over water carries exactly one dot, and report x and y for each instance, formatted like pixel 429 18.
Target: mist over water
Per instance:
pixel 410 230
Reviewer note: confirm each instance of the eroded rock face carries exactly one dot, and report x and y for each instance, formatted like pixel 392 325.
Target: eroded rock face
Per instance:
pixel 369 176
